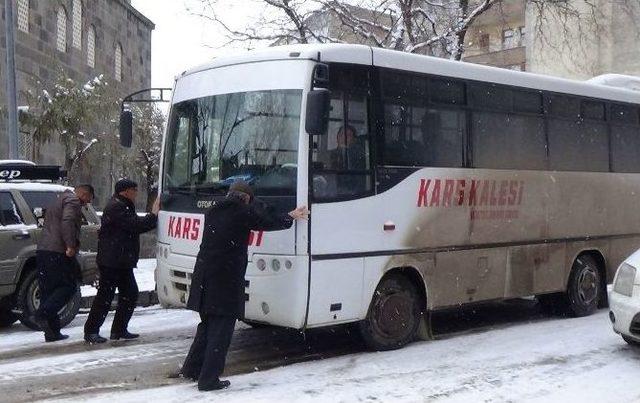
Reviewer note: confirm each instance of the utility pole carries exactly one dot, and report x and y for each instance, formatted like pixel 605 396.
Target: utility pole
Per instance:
pixel 12 105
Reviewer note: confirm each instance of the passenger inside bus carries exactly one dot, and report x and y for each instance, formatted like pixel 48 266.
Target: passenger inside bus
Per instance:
pixel 349 155
pixel 350 151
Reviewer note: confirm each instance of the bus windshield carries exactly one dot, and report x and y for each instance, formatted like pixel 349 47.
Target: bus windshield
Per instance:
pixel 252 136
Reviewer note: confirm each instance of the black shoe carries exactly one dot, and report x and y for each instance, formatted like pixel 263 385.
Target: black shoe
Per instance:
pixel 215 385
pixel 94 338
pixel 55 337
pixel 124 335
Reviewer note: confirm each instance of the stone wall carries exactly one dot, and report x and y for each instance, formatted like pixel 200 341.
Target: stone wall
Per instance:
pixel 38 59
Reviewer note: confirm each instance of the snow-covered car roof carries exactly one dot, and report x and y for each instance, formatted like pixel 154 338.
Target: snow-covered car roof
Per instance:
pixel 33 187
pixel 366 55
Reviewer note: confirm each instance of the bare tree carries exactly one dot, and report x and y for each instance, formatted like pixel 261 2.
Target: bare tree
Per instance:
pixel 433 27
pixel 415 26
pixel 148 129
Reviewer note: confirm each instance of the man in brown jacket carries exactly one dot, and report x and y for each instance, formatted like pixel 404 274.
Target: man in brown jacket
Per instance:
pixel 55 257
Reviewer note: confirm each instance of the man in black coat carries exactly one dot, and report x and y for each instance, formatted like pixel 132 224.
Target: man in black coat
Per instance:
pixel 217 284
pixel 118 253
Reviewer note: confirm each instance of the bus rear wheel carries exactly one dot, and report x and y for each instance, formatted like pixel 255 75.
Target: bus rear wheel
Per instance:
pixel 394 314
pixel 584 289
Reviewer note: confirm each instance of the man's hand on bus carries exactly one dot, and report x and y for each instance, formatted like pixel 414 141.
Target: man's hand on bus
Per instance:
pixel 70 252
pixel 301 213
pixel 156 206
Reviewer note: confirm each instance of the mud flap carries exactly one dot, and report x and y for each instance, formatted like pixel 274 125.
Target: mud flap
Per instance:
pixel 425 332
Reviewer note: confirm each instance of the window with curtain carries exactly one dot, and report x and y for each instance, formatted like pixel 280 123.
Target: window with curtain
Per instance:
pixel 118 62
pixel 77 24
pixel 91 47
pixel 61 38
pixel 23 15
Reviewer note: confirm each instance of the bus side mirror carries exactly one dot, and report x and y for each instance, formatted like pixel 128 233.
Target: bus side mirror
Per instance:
pixel 318 107
pixel 126 128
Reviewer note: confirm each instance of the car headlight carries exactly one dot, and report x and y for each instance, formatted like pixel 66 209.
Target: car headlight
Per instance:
pixel 625 280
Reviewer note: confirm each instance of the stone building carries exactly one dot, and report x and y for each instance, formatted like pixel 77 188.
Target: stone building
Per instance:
pixel 586 43
pixel 498 37
pixel 86 38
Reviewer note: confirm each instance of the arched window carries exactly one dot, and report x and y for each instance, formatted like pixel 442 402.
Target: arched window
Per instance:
pixel 23 15
pixel 91 47
pixel 118 62
pixel 77 24
pixel 61 38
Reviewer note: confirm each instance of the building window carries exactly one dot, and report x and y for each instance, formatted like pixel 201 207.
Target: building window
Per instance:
pixel 509 39
pixel 77 24
pixel 484 41
pixel 23 15
pixel 91 47
pixel 61 39
pixel 118 62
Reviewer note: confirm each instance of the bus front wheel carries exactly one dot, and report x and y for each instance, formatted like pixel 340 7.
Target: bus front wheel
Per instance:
pixel 394 314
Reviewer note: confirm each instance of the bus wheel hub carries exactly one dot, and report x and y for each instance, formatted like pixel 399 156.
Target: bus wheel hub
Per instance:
pixel 393 315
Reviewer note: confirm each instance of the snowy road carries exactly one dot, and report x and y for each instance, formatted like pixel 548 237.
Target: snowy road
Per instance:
pixel 502 352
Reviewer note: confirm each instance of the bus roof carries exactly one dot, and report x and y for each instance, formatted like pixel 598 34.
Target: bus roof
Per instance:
pixel 366 55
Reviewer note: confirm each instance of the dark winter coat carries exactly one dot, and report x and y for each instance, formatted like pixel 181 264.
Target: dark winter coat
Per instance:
pixel 217 284
pixel 119 236
pixel 62 222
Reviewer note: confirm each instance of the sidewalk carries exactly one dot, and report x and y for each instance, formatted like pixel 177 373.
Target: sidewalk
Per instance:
pixel 146 284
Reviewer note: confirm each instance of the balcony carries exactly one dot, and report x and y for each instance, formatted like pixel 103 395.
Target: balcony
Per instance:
pixel 500 58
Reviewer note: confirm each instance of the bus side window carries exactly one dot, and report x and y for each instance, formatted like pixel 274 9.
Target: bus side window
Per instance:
pixel 342 158
pixel 417 133
pixel 625 138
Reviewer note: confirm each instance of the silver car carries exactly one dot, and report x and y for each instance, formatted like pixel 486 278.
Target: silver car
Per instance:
pixel 22 206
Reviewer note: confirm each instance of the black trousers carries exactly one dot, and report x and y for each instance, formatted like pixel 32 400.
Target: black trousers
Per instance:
pixel 56 277
pixel 208 351
pixel 110 279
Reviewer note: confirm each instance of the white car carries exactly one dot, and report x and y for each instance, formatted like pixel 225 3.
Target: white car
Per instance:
pixel 624 300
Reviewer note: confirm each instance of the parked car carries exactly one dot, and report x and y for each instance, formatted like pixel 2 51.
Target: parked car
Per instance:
pixel 22 206
pixel 624 300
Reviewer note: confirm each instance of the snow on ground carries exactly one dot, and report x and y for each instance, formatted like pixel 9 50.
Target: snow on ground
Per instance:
pixel 144 277
pixel 554 360
pixel 144 320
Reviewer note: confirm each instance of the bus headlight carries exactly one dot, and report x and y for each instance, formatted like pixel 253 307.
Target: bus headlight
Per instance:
pixel 275 265
pixel 261 264
pixel 287 264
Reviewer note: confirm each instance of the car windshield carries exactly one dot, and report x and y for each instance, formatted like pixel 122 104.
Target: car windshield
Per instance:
pixel 253 136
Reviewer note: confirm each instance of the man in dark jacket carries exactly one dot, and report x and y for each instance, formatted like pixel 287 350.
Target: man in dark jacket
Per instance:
pixel 118 253
pixel 55 258
pixel 217 284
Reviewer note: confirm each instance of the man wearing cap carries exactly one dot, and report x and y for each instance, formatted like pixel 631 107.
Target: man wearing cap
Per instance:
pixel 55 258
pixel 118 253
pixel 217 285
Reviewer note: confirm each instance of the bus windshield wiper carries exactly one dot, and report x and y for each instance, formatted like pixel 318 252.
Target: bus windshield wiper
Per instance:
pixel 212 188
pixel 185 190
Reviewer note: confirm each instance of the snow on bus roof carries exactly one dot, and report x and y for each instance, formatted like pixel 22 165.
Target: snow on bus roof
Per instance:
pixel 361 54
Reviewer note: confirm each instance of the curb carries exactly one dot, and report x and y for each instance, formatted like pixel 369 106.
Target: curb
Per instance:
pixel 145 298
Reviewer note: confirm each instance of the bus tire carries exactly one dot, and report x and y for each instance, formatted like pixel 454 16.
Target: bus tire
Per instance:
pixel 584 289
pixel 631 341
pixel 28 298
pixel 394 314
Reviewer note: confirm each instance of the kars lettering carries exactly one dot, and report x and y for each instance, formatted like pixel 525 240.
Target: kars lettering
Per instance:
pixel 184 228
pixel 472 193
